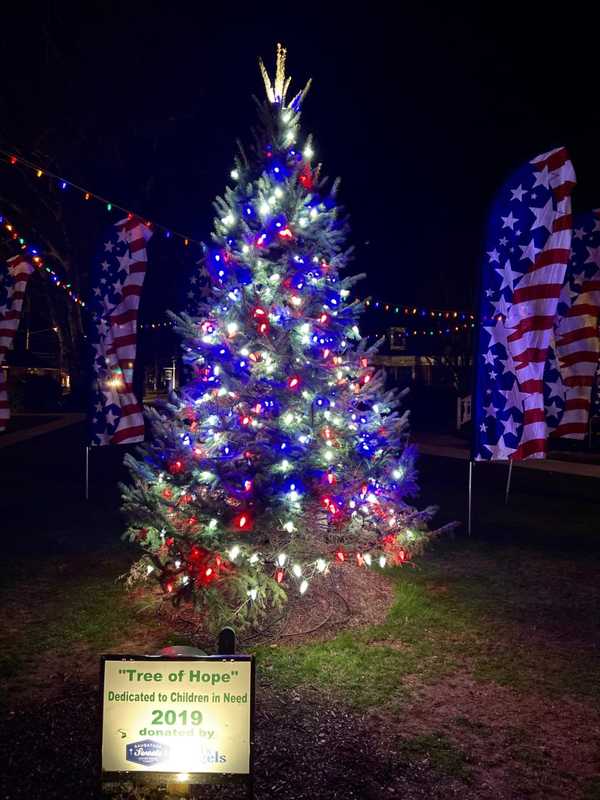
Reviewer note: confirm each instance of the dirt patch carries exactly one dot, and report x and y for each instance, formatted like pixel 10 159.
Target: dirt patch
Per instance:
pixel 517 745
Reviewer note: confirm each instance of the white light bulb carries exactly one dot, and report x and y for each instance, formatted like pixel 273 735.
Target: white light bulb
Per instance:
pixel 398 474
pixel 213 524
pixel 232 328
pixel 235 174
pixel 253 558
pixel 274 278
pixel 185 579
pixel 321 564
pixel 367 559
pixel 252 593
pixel 281 559
pixel 297 570
pixel 177 564
pixel 228 220
pixel 285 464
pixel 308 152
pixel 278 192
pixel 303 586
pixel 313 213
pixel 288 419
pixel 234 552
pixel 382 561
pixel 149 569
pixel 245 248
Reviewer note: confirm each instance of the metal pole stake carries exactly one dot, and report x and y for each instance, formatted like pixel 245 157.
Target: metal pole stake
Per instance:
pixel 87 472
pixel 510 466
pixel 469 515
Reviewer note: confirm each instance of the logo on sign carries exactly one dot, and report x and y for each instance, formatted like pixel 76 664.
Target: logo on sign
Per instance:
pixel 146 752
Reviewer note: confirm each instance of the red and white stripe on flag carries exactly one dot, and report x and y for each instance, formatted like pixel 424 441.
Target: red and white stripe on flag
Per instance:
pixel 119 340
pixel 535 300
pixel 578 343
pixel 20 271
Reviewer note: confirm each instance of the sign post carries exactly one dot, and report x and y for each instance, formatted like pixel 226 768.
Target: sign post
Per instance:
pixel 177 719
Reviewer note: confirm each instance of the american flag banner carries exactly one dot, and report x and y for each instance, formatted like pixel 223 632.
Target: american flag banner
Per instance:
pixel 117 278
pixel 571 374
pixel 197 288
pixel 14 278
pixel 529 241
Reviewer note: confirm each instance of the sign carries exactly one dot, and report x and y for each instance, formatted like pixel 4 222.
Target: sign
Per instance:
pixel 191 716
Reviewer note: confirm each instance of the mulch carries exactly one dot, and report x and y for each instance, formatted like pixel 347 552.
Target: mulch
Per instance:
pixel 305 748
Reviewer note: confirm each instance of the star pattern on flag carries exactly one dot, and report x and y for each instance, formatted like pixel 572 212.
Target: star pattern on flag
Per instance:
pixel 110 272
pixel 6 288
pixel 198 290
pixel 584 265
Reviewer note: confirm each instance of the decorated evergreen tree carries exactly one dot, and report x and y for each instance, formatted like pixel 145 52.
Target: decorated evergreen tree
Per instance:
pixel 284 456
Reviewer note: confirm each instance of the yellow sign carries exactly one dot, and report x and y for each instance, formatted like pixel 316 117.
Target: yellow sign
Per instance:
pixel 177 715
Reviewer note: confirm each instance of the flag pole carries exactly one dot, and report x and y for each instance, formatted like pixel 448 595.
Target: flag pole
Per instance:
pixel 87 472
pixel 470 508
pixel 509 476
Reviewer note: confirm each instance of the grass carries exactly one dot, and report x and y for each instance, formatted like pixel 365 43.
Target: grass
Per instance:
pixel 51 609
pixel 440 753
pixel 465 605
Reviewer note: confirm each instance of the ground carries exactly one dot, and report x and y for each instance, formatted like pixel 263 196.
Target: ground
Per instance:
pixel 472 674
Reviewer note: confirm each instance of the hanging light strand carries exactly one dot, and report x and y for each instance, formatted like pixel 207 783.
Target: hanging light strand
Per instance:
pixel 418 311
pixel 10 232
pixel 87 194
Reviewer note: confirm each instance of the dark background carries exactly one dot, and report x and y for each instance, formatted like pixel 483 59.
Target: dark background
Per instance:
pixel 422 111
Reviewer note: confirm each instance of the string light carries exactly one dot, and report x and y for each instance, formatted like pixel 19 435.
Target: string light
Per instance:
pixel 314 402
pixel 38 262
pixel 87 194
pixel 414 311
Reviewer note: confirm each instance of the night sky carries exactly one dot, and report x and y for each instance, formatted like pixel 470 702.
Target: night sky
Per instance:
pixel 422 114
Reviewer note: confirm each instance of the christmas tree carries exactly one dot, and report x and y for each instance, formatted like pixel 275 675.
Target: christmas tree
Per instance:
pixel 284 456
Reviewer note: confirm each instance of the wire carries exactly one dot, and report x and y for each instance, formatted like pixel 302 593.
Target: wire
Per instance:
pixel 12 160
